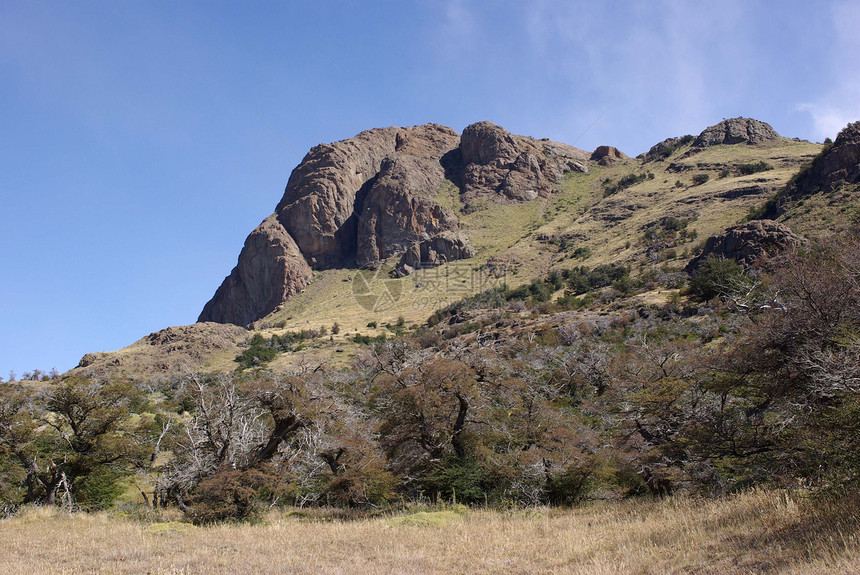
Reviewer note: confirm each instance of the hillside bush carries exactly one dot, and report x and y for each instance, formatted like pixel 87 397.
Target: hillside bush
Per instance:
pixel 716 277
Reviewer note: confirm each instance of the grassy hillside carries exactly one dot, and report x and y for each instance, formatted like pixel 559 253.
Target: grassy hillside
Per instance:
pixel 659 221
pixel 526 237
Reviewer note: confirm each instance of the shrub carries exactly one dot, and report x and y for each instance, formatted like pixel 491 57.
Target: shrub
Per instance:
pixel 232 495
pixel 570 486
pixel 367 484
pixel 716 277
pixel 670 149
pixel 99 489
pixel 461 480
pixel 700 179
pixel 629 180
pixel 754 168
pixel 367 340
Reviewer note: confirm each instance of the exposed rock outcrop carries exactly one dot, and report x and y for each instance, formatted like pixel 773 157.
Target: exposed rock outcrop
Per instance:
pixel 400 210
pixel 271 269
pixel 747 243
pixel 607 155
pixel 444 247
pixel 666 148
pixel 837 163
pixel 736 131
pixel 371 197
pixel 326 193
pixel 511 167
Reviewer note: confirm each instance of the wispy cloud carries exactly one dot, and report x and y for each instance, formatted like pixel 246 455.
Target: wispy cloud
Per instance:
pixel 656 67
pixel 839 104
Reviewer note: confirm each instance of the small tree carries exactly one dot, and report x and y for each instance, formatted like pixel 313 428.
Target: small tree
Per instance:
pixel 717 276
pixel 74 442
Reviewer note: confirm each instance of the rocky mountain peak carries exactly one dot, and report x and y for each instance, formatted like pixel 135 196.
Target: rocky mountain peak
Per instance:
pixel 736 131
pixel 362 200
pixel 506 167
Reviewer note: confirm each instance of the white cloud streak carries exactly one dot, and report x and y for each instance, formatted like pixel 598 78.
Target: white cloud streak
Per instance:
pixel 840 102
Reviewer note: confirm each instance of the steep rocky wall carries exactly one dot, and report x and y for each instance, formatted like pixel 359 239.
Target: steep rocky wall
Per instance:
pixel 837 164
pixel 362 200
pixel 271 269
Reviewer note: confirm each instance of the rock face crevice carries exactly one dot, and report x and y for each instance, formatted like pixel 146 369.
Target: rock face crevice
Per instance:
pixel 365 199
pixel 400 209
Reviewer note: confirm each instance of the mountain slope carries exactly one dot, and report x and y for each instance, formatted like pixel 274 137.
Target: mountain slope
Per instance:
pixel 481 210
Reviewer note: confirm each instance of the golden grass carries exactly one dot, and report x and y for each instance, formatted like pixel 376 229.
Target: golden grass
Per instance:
pixel 755 532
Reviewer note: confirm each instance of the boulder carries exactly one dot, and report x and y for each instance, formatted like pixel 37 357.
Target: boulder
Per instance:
pixel 736 131
pixel 365 199
pixel 270 269
pixel 607 155
pixel 747 243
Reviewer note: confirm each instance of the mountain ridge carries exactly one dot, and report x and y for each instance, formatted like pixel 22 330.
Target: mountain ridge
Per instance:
pixel 605 211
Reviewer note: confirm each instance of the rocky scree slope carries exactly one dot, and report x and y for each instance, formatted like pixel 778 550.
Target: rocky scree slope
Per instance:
pixel 359 201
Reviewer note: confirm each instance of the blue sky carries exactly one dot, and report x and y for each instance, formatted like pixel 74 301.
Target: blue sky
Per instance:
pixel 142 141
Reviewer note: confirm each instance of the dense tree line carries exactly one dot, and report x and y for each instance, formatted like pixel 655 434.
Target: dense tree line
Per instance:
pixel 757 382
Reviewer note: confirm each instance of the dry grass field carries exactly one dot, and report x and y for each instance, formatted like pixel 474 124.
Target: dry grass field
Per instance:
pixel 755 532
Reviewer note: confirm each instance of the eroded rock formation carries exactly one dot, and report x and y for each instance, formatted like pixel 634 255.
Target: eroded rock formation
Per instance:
pixel 362 200
pixel 511 167
pixel 837 164
pixel 445 247
pixel 607 155
pixel 271 269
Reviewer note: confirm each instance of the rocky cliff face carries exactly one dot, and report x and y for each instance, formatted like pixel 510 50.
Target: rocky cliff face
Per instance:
pixel 504 166
pixel 400 210
pixel 837 164
pixel 271 269
pixel 362 200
